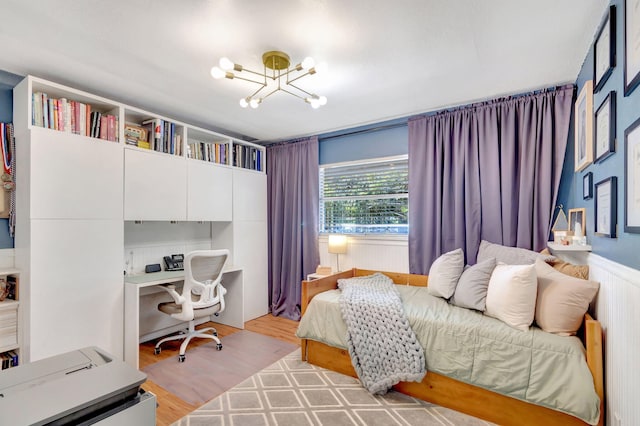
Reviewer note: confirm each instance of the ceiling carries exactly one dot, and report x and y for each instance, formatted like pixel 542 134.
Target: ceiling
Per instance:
pixel 385 59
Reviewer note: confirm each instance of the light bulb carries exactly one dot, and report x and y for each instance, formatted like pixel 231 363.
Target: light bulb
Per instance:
pixel 244 103
pixel 217 73
pixel 254 103
pixel 308 62
pixel 322 67
pixel 315 103
pixel 322 100
pixel 226 64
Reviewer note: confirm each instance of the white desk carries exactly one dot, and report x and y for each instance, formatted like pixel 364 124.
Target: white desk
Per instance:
pixel 136 286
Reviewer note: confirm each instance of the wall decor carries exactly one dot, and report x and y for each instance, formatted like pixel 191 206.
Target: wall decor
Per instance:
pixel 587 186
pixel 631 45
pixel 605 50
pixel 605 128
pixel 583 131
pixel 632 178
pixel 606 211
pixel 577 221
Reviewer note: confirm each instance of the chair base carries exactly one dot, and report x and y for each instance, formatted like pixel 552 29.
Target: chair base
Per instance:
pixel 187 335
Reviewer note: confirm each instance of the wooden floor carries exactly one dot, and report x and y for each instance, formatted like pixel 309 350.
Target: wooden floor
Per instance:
pixel 170 407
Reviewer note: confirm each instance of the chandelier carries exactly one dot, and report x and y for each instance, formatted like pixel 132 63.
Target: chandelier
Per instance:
pixel 276 76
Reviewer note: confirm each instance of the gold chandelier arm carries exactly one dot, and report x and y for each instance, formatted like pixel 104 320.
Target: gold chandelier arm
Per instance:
pixel 297 88
pixel 246 79
pixel 300 76
pixel 295 94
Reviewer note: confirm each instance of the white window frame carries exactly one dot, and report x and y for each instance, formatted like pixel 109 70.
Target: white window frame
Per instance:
pixel 361 235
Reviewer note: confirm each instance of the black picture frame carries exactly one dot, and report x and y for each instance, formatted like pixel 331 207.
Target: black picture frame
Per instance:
pixel 604 51
pixel 631 39
pixel 587 186
pixel 606 207
pixel 631 178
pixel 604 128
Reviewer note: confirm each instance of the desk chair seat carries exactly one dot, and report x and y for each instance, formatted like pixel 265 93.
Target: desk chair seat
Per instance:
pixel 202 296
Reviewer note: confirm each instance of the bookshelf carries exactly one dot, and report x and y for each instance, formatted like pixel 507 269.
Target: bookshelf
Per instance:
pixel 10 322
pixel 76 191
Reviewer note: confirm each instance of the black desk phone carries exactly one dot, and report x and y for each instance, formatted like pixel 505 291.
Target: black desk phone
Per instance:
pixel 175 262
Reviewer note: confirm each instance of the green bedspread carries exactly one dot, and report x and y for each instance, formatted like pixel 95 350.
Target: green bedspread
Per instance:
pixel 534 366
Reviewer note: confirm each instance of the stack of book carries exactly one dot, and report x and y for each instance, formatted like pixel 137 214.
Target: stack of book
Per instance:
pixel 72 116
pixel 247 157
pixel 9 359
pixel 162 136
pixel 209 151
pixel 136 135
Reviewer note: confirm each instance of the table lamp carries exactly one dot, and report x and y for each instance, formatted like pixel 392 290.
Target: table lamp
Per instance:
pixel 337 246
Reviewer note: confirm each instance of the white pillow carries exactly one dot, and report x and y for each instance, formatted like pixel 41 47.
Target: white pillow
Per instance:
pixel 511 296
pixel 445 273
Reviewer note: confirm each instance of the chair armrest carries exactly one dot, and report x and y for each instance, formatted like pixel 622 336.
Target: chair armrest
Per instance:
pixel 171 289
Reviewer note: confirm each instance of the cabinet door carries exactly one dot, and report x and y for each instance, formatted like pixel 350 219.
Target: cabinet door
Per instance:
pixel 154 186
pixel 250 252
pixel 249 195
pixel 74 177
pixel 76 291
pixel 209 191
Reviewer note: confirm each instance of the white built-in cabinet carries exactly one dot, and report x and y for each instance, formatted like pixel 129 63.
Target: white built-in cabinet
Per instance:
pixel 250 238
pixel 69 233
pixel 209 192
pixel 155 186
pixel 74 192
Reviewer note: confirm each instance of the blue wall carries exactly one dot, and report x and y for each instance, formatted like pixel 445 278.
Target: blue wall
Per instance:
pixel 6 116
pixel 625 248
pixel 385 139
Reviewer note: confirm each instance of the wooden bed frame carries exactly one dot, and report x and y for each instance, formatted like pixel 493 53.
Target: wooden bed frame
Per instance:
pixel 447 392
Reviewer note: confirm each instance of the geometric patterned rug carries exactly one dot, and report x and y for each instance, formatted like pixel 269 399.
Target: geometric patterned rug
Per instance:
pixel 294 393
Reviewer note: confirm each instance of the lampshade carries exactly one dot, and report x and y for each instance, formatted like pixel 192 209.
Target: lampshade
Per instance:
pixel 337 244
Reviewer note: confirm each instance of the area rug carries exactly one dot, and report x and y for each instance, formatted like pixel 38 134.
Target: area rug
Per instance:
pixel 207 372
pixel 295 393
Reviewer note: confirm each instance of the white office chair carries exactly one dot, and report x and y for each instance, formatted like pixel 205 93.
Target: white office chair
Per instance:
pixel 202 296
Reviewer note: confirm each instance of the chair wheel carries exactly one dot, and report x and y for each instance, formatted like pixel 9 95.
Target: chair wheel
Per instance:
pixel 219 346
pixel 215 333
pixel 180 358
pixel 157 351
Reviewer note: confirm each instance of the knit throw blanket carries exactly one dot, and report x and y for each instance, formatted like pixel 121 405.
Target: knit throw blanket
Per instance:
pixel 384 349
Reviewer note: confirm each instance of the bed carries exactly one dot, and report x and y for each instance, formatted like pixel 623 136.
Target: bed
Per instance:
pixel 440 389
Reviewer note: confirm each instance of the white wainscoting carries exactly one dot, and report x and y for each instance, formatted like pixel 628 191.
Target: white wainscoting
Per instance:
pixel 369 252
pixel 617 307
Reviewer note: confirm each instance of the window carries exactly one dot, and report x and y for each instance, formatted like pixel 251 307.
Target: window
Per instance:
pixel 365 197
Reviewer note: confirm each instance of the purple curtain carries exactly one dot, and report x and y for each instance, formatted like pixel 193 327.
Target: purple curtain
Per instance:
pixel 293 197
pixel 488 171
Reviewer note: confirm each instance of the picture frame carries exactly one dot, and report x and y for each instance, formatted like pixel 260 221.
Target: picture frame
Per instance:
pixel 587 186
pixel 605 128
pixel 606 202
pixel 604 56
pixel 631 45
pixel 632 178
pixel 578 216
pixel 583 132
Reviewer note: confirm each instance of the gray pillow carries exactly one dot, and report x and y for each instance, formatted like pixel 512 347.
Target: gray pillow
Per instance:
pixel 509 255
pixel 471 291
pixel 444 274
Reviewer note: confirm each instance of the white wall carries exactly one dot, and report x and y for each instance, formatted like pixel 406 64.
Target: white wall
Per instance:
pixel 369 252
